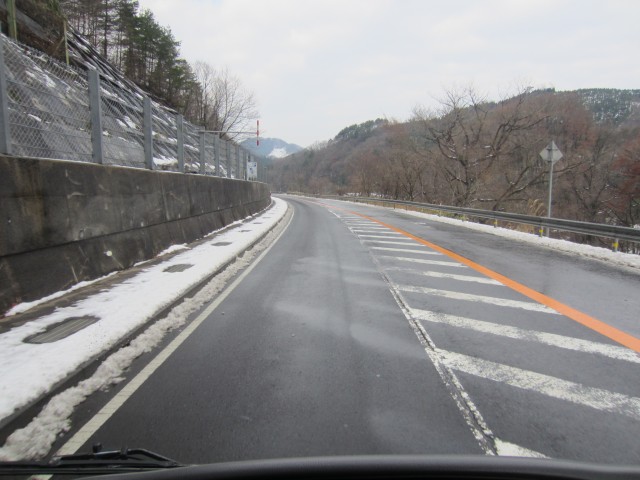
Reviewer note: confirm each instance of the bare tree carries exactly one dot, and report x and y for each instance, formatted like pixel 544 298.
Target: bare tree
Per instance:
pixel 222 103
pixel 202 108
pixel 235 106
pixel 475 139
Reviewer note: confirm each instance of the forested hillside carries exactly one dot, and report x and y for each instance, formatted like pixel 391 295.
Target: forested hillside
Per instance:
pixel 477 153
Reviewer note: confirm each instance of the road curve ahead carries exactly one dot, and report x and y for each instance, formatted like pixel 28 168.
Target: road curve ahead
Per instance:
pixel 352 336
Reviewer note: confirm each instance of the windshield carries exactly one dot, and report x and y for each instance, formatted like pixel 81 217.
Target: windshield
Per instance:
pixel 242 230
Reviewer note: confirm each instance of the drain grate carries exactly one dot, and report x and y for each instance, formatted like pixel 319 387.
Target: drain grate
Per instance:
pixel 221 244
pixel 61 330
pixel 179 267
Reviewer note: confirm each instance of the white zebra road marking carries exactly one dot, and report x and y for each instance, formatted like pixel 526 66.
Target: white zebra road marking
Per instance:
pixel 569 343
pixel 451 276
pixel 502 302
pixel 444 263
pixel 597 398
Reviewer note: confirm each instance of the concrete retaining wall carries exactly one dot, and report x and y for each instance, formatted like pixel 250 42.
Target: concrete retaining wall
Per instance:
pixel 64 222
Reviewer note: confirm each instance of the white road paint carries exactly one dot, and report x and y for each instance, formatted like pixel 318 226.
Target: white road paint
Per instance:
pixel 559 341
pixel 507 449
pixel 385 242
pixel 472 416
pixel 390 236
pixel 448 363
pixel 442 263
pixel 373 229
pixel 502 302
pixel 596 398
pixel 451 276
pixel 425 262
pixel 420 250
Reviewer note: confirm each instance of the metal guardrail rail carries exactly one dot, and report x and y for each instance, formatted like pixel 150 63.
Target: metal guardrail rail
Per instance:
pixel 586 228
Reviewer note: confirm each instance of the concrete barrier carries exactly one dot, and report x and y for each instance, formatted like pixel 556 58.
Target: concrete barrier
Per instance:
pixel 65 222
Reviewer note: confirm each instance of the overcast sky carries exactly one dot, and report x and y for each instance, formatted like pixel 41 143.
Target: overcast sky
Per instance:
pixel 317 66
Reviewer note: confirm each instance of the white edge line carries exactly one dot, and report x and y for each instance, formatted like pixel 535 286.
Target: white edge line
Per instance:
pixel 84 433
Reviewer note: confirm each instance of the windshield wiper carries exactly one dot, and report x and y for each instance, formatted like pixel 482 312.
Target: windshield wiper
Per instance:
pixel 94 463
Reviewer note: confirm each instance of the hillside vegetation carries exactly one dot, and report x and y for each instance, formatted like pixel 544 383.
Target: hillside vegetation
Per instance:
pixel 142 51
pixel 475 153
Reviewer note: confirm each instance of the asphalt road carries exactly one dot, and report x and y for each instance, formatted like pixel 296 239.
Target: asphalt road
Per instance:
pixel 351 337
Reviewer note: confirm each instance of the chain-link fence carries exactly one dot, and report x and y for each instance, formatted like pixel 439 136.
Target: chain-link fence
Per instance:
pixel 51 110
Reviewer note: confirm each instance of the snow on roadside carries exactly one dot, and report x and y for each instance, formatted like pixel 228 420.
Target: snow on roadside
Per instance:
pixel 28 371
pixel 35 440
pixel 24 306
pixel 599 253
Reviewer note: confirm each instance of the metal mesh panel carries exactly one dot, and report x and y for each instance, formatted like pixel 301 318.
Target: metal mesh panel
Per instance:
pixel 48 106
pixel 223 158
pixel 49 116
pixel 191 149
pixel 210 164
pixel 165 139
pixel 122 126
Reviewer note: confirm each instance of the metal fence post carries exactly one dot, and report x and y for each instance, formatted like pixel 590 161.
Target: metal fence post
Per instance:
pixel 238 162
pixel 5 131
pixel 216 154
pixel 148 134
pixel 203 154
pixel 228 159
pixel 95 111
pixel 180 138
pixel 11 19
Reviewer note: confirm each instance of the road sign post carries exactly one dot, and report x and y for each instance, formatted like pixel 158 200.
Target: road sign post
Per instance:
pixel 551 153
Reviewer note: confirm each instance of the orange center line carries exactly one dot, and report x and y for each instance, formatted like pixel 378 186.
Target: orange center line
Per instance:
pixel 588 321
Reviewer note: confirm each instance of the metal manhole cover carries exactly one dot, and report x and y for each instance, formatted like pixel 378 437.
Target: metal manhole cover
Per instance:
pixel 221 244
pixel 179 267
pixel 63 329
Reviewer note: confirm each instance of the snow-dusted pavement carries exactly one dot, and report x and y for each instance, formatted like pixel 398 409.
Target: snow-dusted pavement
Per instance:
pixel 29 370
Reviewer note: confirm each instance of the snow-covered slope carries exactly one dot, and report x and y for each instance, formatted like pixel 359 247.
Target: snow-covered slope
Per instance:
pixel 270 147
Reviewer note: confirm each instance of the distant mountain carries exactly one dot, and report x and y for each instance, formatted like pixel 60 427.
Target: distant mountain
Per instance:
pixel 610 105
pixel 270 147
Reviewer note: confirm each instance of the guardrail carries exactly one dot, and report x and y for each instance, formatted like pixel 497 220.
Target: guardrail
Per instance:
pixel 585 228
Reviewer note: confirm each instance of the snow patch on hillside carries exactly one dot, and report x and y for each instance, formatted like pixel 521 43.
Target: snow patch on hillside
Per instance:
pixel 279 153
